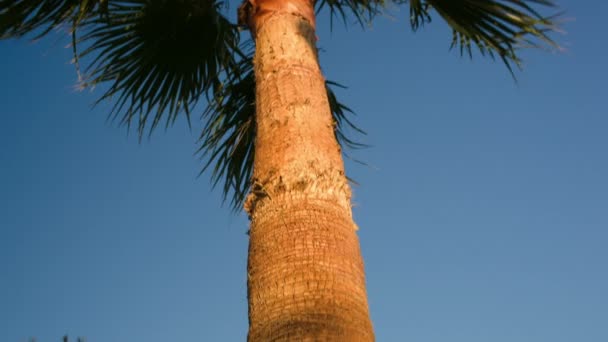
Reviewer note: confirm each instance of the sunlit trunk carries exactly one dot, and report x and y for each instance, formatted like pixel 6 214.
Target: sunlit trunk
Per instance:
pixel 305 272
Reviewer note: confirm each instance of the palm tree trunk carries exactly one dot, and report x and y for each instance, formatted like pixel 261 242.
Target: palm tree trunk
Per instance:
pixel 305 272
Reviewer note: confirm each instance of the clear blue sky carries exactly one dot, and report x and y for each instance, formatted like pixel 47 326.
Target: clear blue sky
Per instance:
pixel 483 215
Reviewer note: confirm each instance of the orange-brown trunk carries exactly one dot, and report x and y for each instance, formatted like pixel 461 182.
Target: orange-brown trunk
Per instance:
pixel 305 272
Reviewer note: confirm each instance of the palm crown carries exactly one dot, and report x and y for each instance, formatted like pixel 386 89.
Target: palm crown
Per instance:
pixel 160 57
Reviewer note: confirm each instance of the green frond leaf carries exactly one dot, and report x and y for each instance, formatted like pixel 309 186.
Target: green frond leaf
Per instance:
pixel 340 114
pixel 362 10
pixel 227 141
pixel 228 138
pixel 494 27
pixel 157 56
pixel 22 17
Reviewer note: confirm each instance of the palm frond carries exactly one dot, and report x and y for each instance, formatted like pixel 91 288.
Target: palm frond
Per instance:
pixel 340 113
pixel 362 10
pixel 21 17
pixel 495 27
pixel 159 57
pixel 228 137
pixel 227 141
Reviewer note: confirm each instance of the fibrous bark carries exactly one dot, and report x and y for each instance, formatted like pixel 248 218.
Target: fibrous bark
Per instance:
pixel 305 272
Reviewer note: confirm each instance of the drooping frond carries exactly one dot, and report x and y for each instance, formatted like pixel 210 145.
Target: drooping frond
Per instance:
pixel 20 17
pixel 158 56
pixel 495 27
pixel 228 138
pixel 340 113
pixel 362 10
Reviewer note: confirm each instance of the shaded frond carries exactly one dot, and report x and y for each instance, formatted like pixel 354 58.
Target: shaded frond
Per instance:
pixel 227 142
pixel 362 10
pixel 342 123
pixel 158 56
pixel 20 17
pixel 495 27
pixel 228 137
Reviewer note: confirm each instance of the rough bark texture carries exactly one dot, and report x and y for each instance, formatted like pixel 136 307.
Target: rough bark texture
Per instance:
pixel 305 271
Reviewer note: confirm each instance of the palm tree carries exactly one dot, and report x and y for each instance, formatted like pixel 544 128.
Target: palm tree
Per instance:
pixel 273 128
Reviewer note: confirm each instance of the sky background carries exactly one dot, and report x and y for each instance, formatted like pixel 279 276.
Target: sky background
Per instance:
pixel 483 212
